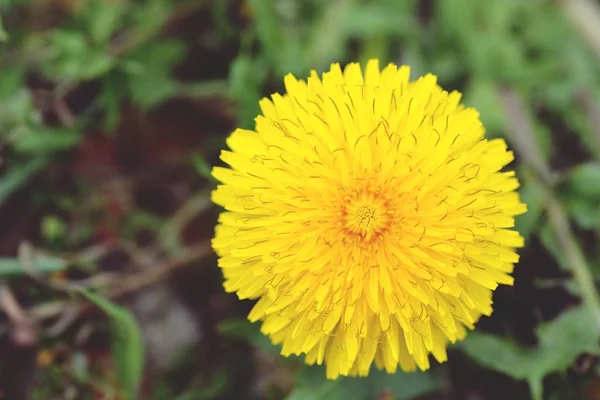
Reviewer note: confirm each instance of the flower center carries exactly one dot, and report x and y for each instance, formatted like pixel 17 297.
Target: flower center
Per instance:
pixel 364 219
pixel 366 216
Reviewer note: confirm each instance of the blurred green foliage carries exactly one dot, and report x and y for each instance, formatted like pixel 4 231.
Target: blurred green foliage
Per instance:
pixel 311 385
pixel 46 264
pixel 128 51
pixel 560 343
pixel 128 344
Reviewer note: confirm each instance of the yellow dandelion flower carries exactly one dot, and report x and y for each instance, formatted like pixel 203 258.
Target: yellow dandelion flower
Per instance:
pixel 369 217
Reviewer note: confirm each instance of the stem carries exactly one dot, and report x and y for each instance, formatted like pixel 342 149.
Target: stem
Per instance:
pixel 574 254
pixel 585 17
pixel 522 138
pixel 169 237
pixel 592 112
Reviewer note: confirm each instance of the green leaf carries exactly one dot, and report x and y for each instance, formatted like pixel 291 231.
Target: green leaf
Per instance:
pixel 204 89
pixel 246 77
pixel 311 384
pixel 69 41
pixel 482 94
pixel 394 19
pixel 212 390
pixel 73 57
pixel 414 55
pixel 581 194
pixel 447 65
pixel 112 94
pixel 17 175
pixel 150 16
pixel 96 64
pixel 561 341
pixel 378 47
pixel 11 80
pixel 498 354
pixel 202 167
pixel 80 367
pixel 45 264
pixel 584 179
pixel 53 227
pixel 3 33
pixel 127 342
pixel 220 16
pixel 532 194
pixel 550 243
pixel 329 37
pixel 268 27
pixel 403 385
pixel 43 140
pixel 149 79
pixel 160 55
pixel 149 89
pixel 103 18
pixel 16 110
pixel 584 210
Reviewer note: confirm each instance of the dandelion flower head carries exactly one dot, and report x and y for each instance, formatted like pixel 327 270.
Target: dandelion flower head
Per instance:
pixel 369 216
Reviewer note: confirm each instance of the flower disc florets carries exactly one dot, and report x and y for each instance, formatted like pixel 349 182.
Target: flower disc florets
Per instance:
pixel 369 216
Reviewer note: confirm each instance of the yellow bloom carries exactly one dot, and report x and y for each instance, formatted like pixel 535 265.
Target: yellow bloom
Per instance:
pixel 369 216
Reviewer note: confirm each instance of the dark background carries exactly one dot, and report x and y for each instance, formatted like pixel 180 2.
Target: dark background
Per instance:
pixel 112 113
